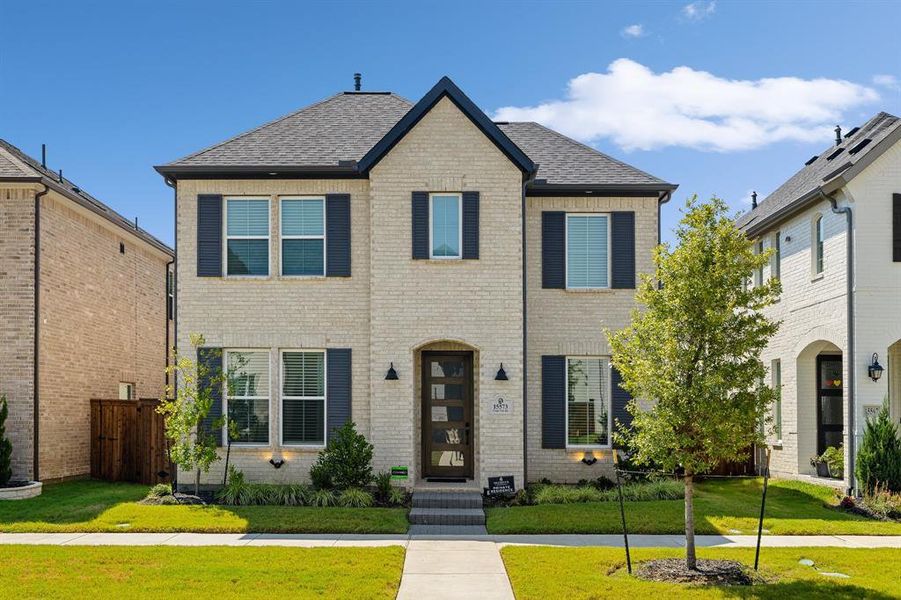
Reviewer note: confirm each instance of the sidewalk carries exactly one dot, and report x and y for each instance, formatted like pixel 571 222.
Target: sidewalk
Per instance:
pixel 445 542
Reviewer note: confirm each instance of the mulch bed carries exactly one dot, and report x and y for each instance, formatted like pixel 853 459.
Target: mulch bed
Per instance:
pixel 709 572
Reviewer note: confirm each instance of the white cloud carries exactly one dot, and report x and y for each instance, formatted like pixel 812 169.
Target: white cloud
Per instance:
pixel 633 31
pixel 639 109
pixel 700 10
pixel 887 81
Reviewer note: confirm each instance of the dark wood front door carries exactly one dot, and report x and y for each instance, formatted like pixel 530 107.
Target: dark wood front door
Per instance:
pixel 447 414
pixel 830 408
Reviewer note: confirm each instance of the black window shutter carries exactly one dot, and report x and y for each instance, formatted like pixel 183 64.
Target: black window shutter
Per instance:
pixel 211 359
pixel 623 250
pixel 338 396
pixel 622 418
pixel 553 251
pixel 470 225
pixel 420 225
pixel 553 402
pixel 337 235
pixel 209 235
pixel 896 227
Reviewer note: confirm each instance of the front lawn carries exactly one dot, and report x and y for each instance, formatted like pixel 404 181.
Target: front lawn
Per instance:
pixel 587 573
pixel 211 572
pixel 96 506
pixel 722 506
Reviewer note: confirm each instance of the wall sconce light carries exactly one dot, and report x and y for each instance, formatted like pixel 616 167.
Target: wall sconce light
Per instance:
pixel 391 375
pixel 277 462
pixel 589 459
pixel 875 369
pixel 501 374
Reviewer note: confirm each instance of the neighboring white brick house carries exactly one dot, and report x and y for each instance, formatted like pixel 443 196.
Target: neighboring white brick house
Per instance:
pixel 820 379
pixel 431 242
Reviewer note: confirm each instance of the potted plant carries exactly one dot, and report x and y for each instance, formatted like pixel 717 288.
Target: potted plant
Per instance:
pixel 831 463
pixel 820 465
pixel 11 490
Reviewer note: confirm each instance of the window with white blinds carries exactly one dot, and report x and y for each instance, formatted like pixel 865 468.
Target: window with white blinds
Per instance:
pixel 587 251
pixel 247 395
pixel 303 398
pixel 303 236
pixel 588 418
pixel 247 236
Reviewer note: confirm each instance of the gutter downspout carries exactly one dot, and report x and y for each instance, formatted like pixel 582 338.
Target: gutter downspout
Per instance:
pixel 174 185
pixel 37 331
pixel 525 346
pixel 852 364
pixel 166 314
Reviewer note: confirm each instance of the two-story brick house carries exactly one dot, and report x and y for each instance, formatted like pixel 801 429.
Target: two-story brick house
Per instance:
pixel 441 279
pixel 835 227
pixel 84 313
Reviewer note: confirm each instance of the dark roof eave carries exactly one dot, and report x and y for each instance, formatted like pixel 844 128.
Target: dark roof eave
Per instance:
pixel 175 172
pixel 660 190
pixel 811 197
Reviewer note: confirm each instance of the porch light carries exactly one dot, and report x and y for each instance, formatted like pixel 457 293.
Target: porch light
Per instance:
pixel 391 375
pixel 589 459
pixel 501 374
pixel 277 462
pixel 875 369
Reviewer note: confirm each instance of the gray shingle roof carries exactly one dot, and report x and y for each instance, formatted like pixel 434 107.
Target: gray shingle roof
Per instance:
pixel 823 168
pixel 344 127
pixel 15 164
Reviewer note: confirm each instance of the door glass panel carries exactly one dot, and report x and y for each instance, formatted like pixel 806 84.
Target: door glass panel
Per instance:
pixel 447 436
pixel 831 410
pixel 832 438
pixel 447 458
pixel 447 391
pixel 831 375
pixel 447 368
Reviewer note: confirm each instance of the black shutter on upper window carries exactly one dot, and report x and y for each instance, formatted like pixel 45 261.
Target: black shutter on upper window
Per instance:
pixel 211 359
pixel 623 250
pixel 338 389
pixel 553 402
pixel 553 251
pixel 896 227
pixel 420 207
pixel 470 225
pixel 622 418
pixel 337 235
pixel 209 235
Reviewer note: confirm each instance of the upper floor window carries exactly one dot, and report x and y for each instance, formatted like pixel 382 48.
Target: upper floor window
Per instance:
pixel 776 375
pixel 247 395
pixel 303 398
pixel 588 418
pixel 819 237
pixel 170 295
pixel 445 225
pixel 758 274
pixel 303 236
pixel 587 251
pixel 247 236
pixel 776 260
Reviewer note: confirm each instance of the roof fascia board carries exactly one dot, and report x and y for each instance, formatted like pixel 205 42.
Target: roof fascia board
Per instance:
pixel 621 190
pixel 446 87
pixel 786 212
pixel 258 172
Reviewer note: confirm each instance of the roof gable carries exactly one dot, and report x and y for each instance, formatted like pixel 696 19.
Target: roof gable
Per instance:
pixel 446 88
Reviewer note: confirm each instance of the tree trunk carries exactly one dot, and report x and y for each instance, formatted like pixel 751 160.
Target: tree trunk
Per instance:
pixel 691 560
pixel 197 483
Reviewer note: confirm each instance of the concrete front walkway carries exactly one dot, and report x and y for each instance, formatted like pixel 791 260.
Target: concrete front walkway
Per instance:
pixel 451 569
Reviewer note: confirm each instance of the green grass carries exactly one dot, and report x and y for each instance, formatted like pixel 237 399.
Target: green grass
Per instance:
pixel 592 573
pixel 96 506
pixel 209 572
pixel 721 507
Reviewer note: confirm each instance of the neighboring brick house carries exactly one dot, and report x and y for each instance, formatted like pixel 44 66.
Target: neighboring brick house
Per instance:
pixel 91 288
pixel 826 388
pixel 420 270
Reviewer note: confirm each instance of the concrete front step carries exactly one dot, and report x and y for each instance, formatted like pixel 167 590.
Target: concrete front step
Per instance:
pixel 447 516
pixel 448 530
pixel 431 499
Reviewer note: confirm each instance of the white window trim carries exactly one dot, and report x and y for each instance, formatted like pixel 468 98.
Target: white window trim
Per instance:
pixel 609 443
pixel 758 272
pixel 776 260
pixel 282 397
pixel 226 237
pixel 814 243
pixel 777 406
pixel 225 353
pixel 282 237
pixel 459 197
pixel 566 250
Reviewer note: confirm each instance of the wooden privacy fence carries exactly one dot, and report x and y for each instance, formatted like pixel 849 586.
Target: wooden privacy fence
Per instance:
pixel 128 441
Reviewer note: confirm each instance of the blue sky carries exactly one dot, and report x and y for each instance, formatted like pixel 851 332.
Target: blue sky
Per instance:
pixel 724 97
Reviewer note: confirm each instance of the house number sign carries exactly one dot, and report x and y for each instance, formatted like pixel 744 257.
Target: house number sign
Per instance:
pixel 501 406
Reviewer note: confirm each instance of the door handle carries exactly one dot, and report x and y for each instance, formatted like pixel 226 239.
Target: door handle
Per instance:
pixel 466 431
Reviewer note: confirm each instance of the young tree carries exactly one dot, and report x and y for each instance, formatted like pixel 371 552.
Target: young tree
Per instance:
pixel 694 352
pixel 6 447
pixel 186 408
pixel 879 457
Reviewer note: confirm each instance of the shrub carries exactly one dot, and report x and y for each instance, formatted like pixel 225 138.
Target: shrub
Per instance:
pixel 879 456
pixel 160 490
pixel 604 483
pixel 345 462
pixel 355 498
pixel 323 497
pixel 662 489
pixel 234 492
pixel 567 494
pixel 383 486
pixel 397 496
pixel 6 447
pixel 882 503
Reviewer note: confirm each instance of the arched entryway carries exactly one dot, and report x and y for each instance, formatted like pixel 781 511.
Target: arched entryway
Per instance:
pixel 820 401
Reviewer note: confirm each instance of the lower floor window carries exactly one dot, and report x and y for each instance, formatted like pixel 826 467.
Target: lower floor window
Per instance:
pixel 587 402
pixel 247 396
pixel 303 398
pixel 776 374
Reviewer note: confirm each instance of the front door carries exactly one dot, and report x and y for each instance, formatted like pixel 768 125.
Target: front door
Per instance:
pixel 830 413
pixel 447 415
